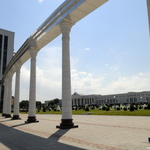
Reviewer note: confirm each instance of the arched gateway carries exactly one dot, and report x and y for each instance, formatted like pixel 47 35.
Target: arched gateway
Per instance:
pixel 59 22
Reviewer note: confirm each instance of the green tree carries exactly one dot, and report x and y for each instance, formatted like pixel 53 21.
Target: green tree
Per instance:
pixel 38 105
pixel 53 102
pixel 132 107
pixel 24 105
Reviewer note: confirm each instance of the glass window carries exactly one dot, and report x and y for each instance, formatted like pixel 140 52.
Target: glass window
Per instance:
pixel 5 53
pixel 1 37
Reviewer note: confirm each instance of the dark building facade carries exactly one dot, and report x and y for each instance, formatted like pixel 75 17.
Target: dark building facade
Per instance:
pixel 6 53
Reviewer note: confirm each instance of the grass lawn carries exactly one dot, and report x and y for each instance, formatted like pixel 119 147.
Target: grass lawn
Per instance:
pixel 115 112
pixel 103 112
pixel 141 112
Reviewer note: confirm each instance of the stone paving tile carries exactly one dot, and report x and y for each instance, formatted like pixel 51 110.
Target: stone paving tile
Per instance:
pixel 94 133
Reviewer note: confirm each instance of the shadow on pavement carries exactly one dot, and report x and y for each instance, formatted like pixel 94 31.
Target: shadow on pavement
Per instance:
pixel 18 125
pixel 18 140
pixel 7 120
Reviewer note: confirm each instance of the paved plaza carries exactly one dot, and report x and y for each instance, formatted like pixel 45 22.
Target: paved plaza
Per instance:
pixel 94 133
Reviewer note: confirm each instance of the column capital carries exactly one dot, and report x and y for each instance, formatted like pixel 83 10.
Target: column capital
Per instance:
pixel 5 81
pixel 65 27
pixel 18 65
pixel 33 52
pixel 9 74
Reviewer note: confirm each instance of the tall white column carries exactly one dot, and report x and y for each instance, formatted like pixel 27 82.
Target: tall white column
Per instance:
pixel 9 97
pixel 5 97
pixel 66 121
pixel 17 92
pixel 32 90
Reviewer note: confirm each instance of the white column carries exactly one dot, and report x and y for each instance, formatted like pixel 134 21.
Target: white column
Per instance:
pixel 17 92
pixel 5 97
pixel 9 97
pixel 66 80
pixel 32 90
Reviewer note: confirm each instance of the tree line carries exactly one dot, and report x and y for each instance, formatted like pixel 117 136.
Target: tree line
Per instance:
pixel 24 105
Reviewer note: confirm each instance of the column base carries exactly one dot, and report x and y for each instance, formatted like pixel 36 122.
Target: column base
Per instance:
pixel 8 116
pixel 3 114
pixel 31 119
pixel 15 117
pixel 67 124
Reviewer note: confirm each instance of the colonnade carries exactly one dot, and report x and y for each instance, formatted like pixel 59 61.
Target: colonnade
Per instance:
pixel 83 101
pixel 66 121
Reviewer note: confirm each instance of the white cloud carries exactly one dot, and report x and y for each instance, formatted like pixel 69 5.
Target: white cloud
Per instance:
pixel 141 74
pixel 40 1
pixel 85 82
pixel 49 78
pixel 125 84
pixel 87 49
pixel 48 75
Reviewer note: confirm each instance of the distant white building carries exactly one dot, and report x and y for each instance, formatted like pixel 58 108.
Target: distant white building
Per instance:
pixel 6 53
pixel 124 98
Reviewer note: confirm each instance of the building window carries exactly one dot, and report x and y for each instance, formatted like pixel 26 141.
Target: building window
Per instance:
pixel 1 38
pixel 5 53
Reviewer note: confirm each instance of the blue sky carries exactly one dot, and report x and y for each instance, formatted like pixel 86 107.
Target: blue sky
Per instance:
pixel 110 48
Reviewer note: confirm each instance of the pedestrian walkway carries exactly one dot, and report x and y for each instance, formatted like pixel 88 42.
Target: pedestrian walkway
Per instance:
pixel 94 133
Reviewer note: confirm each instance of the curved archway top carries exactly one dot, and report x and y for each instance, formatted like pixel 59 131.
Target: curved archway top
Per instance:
pixel 72 11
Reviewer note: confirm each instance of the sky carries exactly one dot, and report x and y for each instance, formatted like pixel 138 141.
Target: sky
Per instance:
pixel 109 48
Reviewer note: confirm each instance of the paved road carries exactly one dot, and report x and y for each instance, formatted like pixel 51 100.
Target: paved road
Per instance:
pixel 94 133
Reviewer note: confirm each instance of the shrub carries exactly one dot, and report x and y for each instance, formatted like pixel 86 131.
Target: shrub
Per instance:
pixel 92 107
pixel 44 109
pixel 118 108
pixel 148 106
pixel 107 108
pixel 132 108
pixel 87 108
pixel 136 108
pixel 140 107
pixel 125 108
pixel 103 108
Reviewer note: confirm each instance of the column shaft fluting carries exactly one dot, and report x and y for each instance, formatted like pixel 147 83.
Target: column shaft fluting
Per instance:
pixel 9 97
pixel 5 97
pixel 66 77
pixel 17 93
pixel 32 90
pixel 66 80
